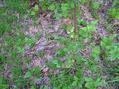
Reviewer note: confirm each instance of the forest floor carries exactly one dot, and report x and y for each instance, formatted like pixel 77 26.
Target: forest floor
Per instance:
pixel 33 51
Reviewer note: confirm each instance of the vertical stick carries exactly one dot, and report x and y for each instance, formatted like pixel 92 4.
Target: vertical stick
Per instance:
pixel 75 20
pixel 75 29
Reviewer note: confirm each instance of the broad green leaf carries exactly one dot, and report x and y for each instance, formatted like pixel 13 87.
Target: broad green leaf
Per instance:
pixel 36 8
pixel 28 74
pixel 32 13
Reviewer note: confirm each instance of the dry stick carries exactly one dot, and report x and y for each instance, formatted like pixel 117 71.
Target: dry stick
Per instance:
pixel 75 21
pixel 75 30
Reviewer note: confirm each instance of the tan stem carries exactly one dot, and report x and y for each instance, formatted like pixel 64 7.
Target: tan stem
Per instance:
pixel 75 20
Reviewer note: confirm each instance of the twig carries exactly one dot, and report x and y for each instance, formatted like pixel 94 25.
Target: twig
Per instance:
pixel 75 20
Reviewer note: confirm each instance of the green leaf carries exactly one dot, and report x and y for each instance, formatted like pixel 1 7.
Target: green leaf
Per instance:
pixel 64 6
pixel 114 52
pixel 94 22
pixel 56 62
pixel 95 51
pixel 95 5
pixel 45 87
pixel 65 13
pixel 57 15
pixel 20 49
pixel 71 4
pixel 114 12
pixel 32 87
pixel 52 7
pixel 68 63
pixel 35 8
pixel 75 82
pixel 32 13
pixel 28 74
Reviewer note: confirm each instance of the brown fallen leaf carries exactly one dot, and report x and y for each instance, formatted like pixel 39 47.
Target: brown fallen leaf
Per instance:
pixel 67 21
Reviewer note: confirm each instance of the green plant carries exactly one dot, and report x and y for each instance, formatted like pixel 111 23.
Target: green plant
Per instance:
pixel 110 47
pixel 3 83
pixel 18 6
pixel 34 11
pixel 59 8
pixel 32 72
pixel 95 4
pixel 12 43
pixel 114 10
pixel 85 32
pixel 93 84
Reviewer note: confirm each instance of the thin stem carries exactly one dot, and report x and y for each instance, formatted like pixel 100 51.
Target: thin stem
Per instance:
pixel 75 20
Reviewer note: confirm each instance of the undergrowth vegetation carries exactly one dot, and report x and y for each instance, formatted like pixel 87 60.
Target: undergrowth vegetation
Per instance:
pixel 90 59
